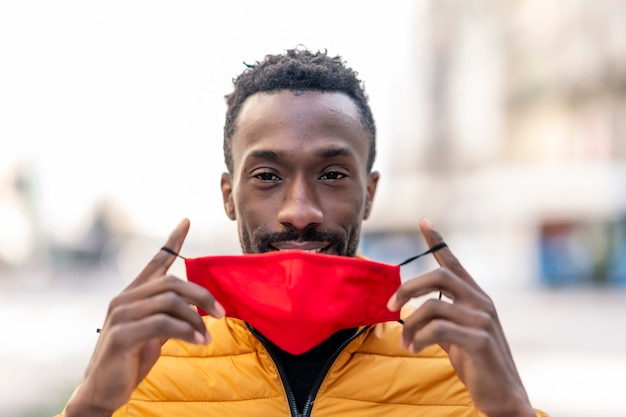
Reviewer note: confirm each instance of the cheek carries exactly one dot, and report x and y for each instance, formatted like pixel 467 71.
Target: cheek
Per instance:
pixel 346 209
pixel 254 212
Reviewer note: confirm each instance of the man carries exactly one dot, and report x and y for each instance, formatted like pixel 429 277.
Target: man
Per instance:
pixel 299 145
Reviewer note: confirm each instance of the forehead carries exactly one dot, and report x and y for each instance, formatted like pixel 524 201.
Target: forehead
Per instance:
pixel 284 120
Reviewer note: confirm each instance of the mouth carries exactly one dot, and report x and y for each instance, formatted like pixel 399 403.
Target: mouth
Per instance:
pixel 312 247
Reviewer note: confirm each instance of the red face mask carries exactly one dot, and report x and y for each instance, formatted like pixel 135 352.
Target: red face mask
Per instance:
pixel 298 299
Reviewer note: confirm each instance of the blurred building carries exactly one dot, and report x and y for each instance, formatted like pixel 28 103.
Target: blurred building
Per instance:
pixel 521 139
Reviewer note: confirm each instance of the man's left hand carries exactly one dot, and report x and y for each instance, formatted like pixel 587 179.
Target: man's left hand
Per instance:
pixel 467 328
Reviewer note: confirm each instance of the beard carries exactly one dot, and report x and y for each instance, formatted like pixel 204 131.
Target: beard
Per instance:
pixel 261 241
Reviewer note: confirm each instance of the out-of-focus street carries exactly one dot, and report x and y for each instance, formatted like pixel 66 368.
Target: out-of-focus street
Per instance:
pixel 49 329
pixel 570 346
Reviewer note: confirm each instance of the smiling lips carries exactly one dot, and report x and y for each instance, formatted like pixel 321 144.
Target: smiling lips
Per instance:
pixel 313 247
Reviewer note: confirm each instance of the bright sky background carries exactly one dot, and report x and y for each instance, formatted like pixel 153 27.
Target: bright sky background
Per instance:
pixel 124 99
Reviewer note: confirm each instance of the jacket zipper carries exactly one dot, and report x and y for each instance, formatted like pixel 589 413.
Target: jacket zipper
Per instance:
pixel 306 411
pixel 293 408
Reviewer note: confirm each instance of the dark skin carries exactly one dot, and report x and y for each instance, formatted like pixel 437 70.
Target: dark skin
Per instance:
pixel 298 169
pixel 300 181
pixel 467 328
pixel 152 309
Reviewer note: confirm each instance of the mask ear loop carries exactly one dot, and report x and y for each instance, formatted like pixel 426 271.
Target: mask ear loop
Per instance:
pixel 412 258
pixel 171 252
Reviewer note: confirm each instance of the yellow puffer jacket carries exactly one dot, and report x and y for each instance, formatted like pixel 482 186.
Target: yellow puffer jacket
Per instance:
pixel 235 376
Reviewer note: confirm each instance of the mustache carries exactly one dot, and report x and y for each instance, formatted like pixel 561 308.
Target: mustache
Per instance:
pixel 308 235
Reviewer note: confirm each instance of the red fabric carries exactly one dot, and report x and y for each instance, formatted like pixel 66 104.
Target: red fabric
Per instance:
pixel 298 299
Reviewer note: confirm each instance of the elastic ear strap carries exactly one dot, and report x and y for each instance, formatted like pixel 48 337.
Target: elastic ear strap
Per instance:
pixel 171 252
pixel 412 258
pixel 431 250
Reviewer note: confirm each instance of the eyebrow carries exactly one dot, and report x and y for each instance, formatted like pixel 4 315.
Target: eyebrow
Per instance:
pixel 266 154
pixel 329 153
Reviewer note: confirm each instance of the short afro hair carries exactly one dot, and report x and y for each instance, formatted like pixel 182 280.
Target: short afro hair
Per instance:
pixel 297 70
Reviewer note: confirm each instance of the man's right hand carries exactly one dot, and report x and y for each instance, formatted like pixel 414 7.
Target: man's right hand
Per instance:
pixel 152 309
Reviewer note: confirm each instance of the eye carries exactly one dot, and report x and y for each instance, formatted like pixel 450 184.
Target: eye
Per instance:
pixel 332 175
pixel 266 176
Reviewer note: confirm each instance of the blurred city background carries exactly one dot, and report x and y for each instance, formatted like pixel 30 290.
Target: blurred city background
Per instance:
pixel 504 122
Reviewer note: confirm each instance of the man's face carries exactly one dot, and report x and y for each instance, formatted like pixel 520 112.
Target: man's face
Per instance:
pixel 299 177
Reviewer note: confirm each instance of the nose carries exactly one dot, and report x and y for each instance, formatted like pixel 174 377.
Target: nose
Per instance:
pixel 300 208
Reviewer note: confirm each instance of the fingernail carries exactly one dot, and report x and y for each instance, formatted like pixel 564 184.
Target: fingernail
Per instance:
pixel 178 226
pixel 198 338
pixel 391 304
pixel 427 222
pixel 219 310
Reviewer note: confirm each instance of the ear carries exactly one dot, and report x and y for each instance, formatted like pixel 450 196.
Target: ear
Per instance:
pixel 227 196
pixel 372 183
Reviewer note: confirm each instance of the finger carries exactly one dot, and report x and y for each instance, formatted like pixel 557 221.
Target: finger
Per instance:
pixel 168 303
pixel 124 336
pixel 444 257
pixel 161 262
pixel 441 279
pixel 444 332
pixel 440 310
pixel 190 292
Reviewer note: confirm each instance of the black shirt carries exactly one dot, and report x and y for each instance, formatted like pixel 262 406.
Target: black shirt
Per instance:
pixel 302 370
